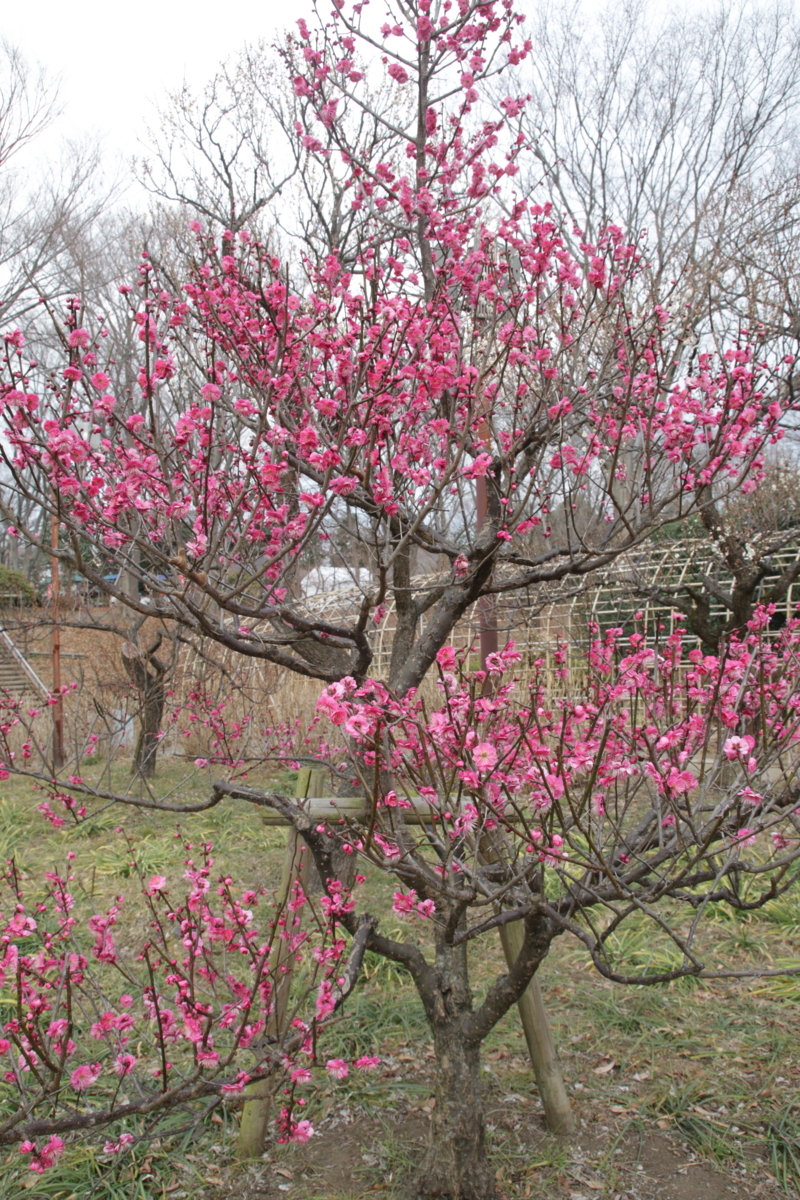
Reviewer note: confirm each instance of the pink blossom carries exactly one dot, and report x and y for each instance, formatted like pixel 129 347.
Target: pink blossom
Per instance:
pixel 104 405
pixel 404 902
pixel 42 1160
pixel 446 658
pixel 485 756
pixel 467 819
pixel 107 1022
pixel 124 1064
pixel 337 1067
pixel 156 883
pixel 122 1143
pixel 680 781
pixel 85 1076
pixel 479 468
pixel 739 747
pixel 555 785
pixel 367 1062
pixel 301 1131
pixel 237 1085
pixel 325 1000
pixel 597 273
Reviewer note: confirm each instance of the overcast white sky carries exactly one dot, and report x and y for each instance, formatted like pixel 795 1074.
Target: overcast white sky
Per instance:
pixel 115 59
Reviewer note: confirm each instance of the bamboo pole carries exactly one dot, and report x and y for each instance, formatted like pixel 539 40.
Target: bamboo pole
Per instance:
pixel 257 1109
pixel 542 1050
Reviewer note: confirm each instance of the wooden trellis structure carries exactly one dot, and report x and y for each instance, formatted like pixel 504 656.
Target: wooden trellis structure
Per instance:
pixel 540 619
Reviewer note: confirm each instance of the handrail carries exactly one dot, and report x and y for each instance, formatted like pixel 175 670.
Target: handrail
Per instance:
pixel 24 666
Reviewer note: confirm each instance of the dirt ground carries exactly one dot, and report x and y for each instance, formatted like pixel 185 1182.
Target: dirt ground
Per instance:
pixel 615 1156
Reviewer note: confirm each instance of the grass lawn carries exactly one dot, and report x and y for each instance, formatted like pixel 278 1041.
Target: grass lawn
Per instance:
pixel 684 1091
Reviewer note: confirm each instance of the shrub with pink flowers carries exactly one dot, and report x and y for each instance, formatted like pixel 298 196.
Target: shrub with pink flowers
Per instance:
pixel 99 1035
pixel 454 377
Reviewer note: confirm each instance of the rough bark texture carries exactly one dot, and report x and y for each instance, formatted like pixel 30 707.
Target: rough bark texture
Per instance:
pixel 406 615
pixel 147 675
pixel 456 1166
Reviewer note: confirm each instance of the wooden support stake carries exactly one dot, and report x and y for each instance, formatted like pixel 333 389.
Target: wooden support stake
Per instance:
pixel 257 1110
pixel 58 708
pixel 544 1060
pixel 541 1048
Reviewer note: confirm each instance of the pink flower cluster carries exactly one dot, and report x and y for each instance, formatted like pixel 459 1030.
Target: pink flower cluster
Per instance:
pixel 205 992
pixel 550 773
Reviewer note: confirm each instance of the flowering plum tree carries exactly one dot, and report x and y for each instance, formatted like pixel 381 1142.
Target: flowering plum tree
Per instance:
pixel 661 783
pixel 464 343
pixel 454 341
pixel 636 794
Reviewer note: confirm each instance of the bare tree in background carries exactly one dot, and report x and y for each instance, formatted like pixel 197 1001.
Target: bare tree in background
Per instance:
pixel 148 673
pixel 684 125
pixel 229 156
pixel 41 211
pixel 218 154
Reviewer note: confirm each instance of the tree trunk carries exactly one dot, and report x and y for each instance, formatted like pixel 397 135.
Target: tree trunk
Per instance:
pixel 151 712
pixel 147 675
pixel 456 1166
